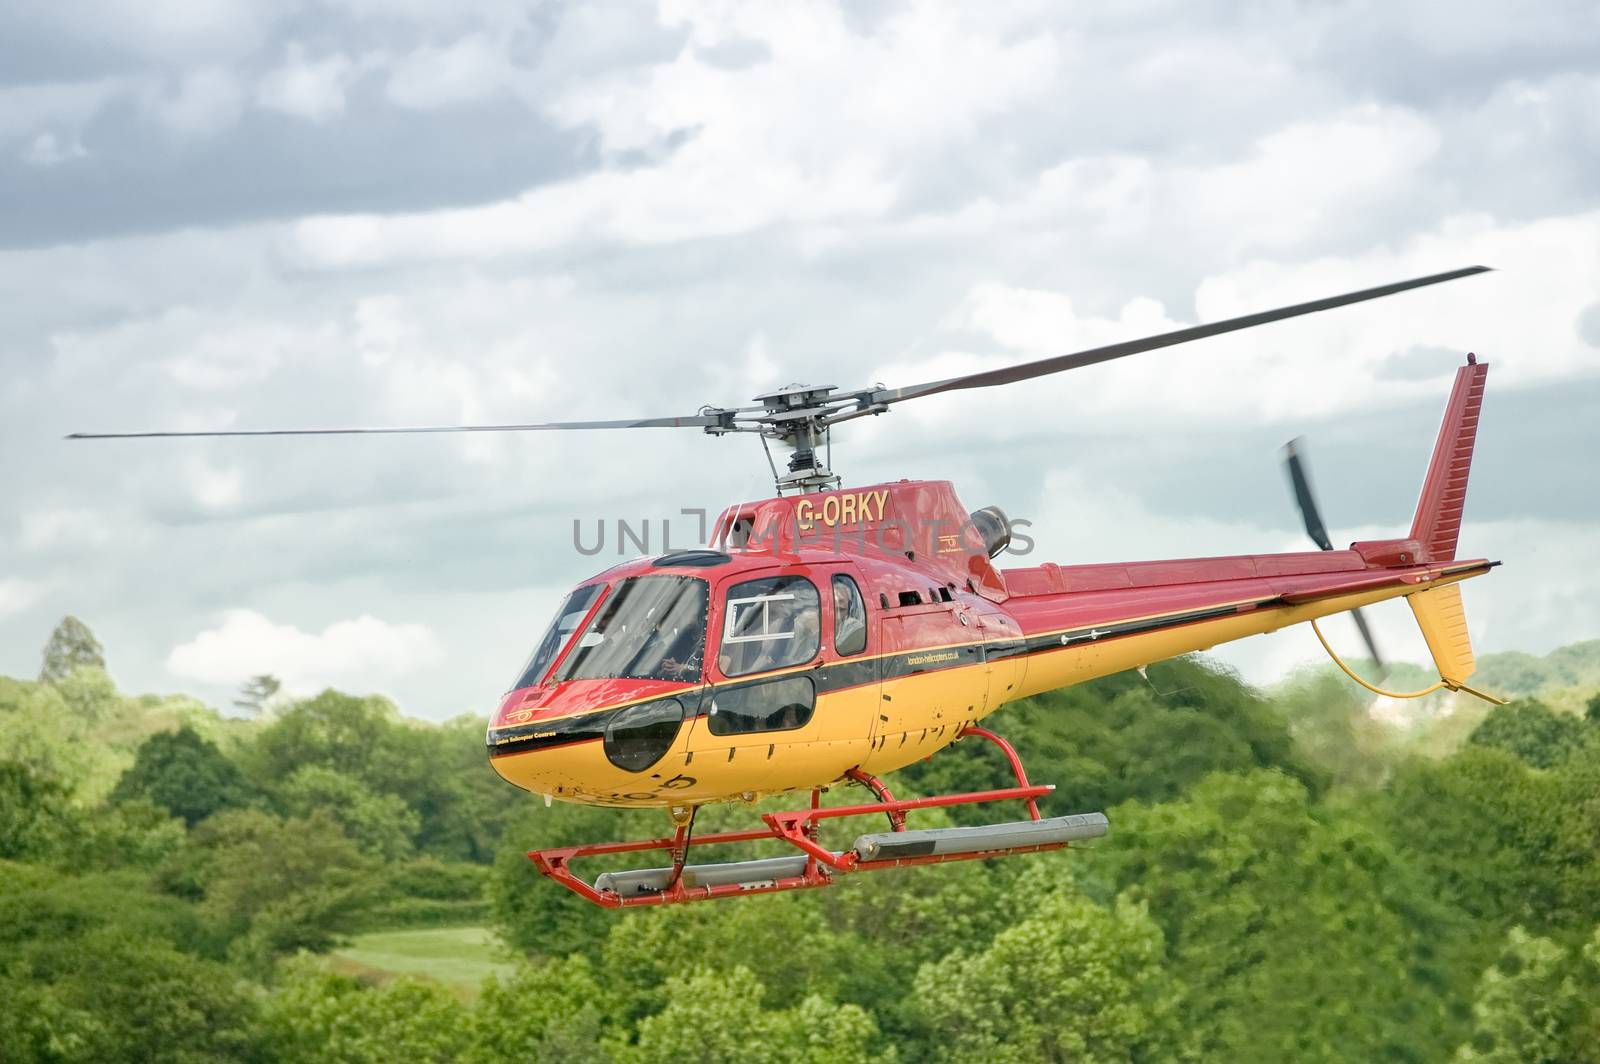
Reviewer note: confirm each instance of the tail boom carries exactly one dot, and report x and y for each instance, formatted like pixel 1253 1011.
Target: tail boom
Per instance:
pixel 1088 620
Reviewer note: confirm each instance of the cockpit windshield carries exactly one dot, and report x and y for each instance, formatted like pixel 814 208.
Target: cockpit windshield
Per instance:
pixel 650 628
pixel 568 617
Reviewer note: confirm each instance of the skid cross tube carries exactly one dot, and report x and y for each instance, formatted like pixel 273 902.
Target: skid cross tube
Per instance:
pixel 798 828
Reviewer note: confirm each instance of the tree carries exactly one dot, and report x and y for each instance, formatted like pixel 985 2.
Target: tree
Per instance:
pixel 554 1010
pixel 1073 982
pixel 1505 842
pixel 34 815
pixel 184 774
pixel 1291 933
pixel 718 1018
pixel 1533 731
pixel 71 645
pixel 1536 1004
pixel 275 886
pixel 256 692
pixel 365 739
pixel 381 824
pixel 535 915
pixel 112 995
pixel 316 1015
pixel 1123 737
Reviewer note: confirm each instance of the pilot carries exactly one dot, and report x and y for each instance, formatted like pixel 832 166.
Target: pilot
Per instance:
pixel 849 626
pixel 684 662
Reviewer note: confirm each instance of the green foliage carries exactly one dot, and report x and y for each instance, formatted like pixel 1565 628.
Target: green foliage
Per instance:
pixel 43 904
pixel 533 914
pixel 71 646
pixel 1532 731
pixel 381 824
pixel 1281 882
pixel 645 949
pixel 1072 982
pixel 34 816
pixel 718 1018
pixel 273 886
pixel 438 772
pixel 184 774
pixel 1501 841
pixel 1289 932
pixel 113 995
pixel 315 1015
pixel 428 892
pixel 39 729
pixel 552 1011
pixel 1122 738
pixel 1537 1003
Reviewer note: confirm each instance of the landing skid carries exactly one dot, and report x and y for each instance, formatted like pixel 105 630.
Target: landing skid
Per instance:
pixel 815 865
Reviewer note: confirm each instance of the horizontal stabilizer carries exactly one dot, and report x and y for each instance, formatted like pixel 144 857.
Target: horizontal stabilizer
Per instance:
pixel 1443 621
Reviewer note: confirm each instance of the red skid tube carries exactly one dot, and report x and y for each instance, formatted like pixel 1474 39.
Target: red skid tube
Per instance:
pixel 799 829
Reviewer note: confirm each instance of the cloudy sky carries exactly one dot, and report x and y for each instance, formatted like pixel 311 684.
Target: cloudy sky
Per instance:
pixel 231 213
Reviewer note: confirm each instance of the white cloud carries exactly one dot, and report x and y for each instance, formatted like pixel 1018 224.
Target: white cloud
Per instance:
pixel 361 653
pixel 815 135
pixel 737 195
pixel 17 595
pixel 313 89
pixel 213 488
pixel 1548 270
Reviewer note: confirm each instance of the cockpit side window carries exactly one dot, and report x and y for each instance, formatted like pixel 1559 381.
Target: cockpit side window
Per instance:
pixel 650 628
pixel 769 624
pixel 573 609
pixel 849 617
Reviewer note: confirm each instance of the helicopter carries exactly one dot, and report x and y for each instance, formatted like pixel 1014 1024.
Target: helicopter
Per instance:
pixel 830 635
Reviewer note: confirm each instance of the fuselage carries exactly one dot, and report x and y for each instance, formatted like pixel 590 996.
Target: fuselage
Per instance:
pixel 864 629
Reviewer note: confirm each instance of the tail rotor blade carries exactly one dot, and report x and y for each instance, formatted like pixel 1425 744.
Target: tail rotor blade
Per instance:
pixel 1300 480
pixel 1372 644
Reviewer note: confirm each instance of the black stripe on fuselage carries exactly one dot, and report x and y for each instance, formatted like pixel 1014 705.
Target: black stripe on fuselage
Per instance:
pixel 842 675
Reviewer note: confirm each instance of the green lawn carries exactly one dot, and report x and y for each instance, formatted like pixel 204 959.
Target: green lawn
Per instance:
pixel 458 957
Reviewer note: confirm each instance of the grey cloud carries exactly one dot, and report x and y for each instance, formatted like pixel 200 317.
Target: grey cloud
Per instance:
pixel 472 537
pixel 274 166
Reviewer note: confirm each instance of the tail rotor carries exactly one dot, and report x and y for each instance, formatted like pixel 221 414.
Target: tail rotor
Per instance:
pixel 1294 461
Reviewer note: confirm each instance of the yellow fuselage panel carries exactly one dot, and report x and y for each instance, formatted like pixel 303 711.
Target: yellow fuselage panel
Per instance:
pixel 880 727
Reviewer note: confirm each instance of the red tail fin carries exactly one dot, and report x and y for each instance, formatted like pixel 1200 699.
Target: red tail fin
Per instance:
pixel 1444 492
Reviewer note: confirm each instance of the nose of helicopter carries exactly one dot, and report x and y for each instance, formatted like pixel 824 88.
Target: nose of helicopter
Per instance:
pixel 592 741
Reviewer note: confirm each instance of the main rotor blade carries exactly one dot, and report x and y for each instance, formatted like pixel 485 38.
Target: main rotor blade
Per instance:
pixel 690 422
pixel 1059 363
pixel 1300 479
pixel 1372 644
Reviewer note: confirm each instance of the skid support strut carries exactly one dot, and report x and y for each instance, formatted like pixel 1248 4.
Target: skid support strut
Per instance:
pixel 815 865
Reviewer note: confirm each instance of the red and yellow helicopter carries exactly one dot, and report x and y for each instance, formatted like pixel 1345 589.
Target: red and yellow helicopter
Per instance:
pixel 831 635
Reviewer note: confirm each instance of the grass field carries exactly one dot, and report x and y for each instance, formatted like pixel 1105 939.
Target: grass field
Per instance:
pixel 458 957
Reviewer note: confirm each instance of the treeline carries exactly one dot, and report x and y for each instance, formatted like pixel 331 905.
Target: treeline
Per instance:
pixel 1285 879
